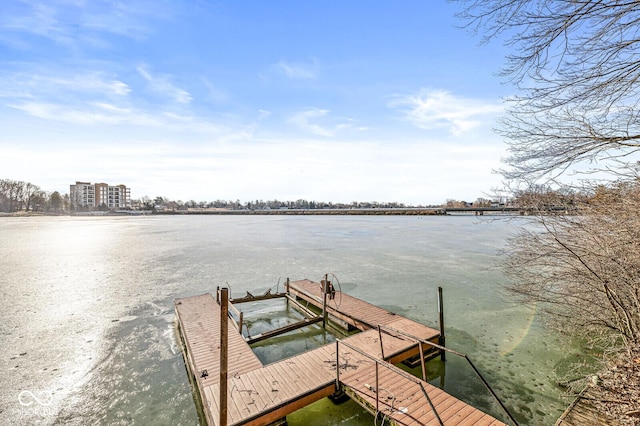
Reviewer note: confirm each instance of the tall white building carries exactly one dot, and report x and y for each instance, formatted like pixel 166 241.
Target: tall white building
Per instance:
pixel 86 194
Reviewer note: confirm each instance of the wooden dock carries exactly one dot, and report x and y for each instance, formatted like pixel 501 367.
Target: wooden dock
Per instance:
pixel 360 365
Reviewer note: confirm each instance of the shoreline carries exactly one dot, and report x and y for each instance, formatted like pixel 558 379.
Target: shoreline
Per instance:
pixel 298 212
pixel 415 211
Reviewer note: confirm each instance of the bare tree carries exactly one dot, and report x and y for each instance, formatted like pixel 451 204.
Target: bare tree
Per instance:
pixel 583 273
pixel 576 67
pixel 30 194
pixel 11 195
pixel 584 269
pixel 576 64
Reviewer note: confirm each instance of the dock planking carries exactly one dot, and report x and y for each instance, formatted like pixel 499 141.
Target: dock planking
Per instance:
pixel 261 395
pixel 360 314
pixel 199 323
pixel 401 400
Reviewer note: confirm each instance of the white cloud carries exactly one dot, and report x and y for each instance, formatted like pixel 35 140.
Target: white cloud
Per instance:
pixel 214 93
pixel 131 120
pixel 263 113
pixel 185 157
pixel 93 82
pixel 99 98
pixel 37 19
pixel 320 122
pixel 45 85
pixel 93 113
pixel 126 19
pixel 304 120
pixel 61 20
pixel 440 109
pixel 161 84
pixel 119 88
pixel 298 71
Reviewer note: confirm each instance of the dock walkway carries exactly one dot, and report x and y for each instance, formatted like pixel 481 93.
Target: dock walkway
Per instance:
pixel 261 395
pixel 354 311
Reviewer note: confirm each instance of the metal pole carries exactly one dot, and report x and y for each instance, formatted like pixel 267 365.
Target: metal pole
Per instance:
pixel 224 351
pixel 441 340
pixel 433 408
pixel 337 365
pixel 381 345
pixel 324 300
pixel 377 391
pixel 490 390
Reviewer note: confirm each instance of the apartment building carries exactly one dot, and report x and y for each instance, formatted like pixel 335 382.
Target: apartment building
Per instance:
pixel 88 195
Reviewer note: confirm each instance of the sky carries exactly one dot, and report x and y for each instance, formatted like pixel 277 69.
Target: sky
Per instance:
pixel 209 100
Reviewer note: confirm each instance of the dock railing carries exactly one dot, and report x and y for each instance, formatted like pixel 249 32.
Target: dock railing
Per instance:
pixel 390 367
pixel 420 342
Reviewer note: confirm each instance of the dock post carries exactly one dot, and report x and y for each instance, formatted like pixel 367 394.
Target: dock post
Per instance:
pixel 381 345
pixel 441 340
pixel 224 352
pixel 325 284
pixel 377 391
pixel 422 364
pixel 218 294
pixel 337 365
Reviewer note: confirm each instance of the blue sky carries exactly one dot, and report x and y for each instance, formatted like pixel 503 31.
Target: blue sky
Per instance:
pixel 204 100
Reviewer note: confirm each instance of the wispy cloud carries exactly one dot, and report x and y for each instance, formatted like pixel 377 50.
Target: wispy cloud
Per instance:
pixel 319 122
pixel 97 98
pixel 38 19
pixel 73 23
pixel 92 82
pixel 126 19
pixel 158 122
pixel 78 114
pixel 263 113
pixel 430 109
pixel 213 93
pixel 298 70
pixel 161 84
pixel 45 85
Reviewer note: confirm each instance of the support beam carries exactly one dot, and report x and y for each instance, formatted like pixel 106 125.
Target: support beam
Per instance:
pixel 287 328
pixel 251 298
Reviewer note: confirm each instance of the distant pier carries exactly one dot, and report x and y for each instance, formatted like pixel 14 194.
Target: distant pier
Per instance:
pixel 360 366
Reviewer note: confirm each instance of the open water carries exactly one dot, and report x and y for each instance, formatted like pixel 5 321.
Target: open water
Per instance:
pixel 87 327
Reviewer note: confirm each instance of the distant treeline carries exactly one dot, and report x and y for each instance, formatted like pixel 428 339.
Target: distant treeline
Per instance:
pixel 24 196
pixel 19 196
pixel 164 204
